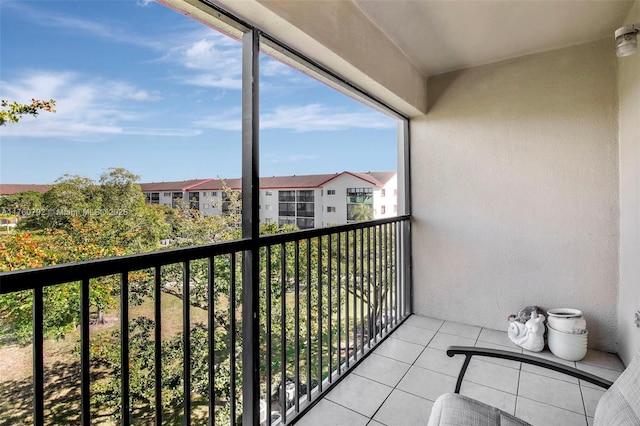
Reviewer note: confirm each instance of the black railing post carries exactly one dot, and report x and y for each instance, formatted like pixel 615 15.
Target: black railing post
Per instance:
pixel 250 229
pixel 85 393
pixel 38 357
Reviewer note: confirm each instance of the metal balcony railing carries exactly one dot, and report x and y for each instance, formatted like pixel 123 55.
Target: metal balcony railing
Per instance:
pixel 326 298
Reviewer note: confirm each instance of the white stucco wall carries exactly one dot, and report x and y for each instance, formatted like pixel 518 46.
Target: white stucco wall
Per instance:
pixel 629 122
pixel 515 190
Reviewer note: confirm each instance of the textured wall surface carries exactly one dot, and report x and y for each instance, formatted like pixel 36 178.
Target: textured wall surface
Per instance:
pixel 515 190
pixel 629 94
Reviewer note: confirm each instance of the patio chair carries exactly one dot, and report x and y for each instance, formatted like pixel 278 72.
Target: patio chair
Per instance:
pixel 619 406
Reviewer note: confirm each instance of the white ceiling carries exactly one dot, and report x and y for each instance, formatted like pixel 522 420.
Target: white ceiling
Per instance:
pixel 445 35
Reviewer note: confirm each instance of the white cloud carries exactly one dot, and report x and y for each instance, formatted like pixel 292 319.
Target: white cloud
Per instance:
pixel 86 109
pixel 307 118
pixel 47 18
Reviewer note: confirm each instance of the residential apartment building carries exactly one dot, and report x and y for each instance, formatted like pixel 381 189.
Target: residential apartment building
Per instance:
pixel 307 201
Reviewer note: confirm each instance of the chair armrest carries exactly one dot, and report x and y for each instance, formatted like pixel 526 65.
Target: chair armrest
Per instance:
pixel 470 351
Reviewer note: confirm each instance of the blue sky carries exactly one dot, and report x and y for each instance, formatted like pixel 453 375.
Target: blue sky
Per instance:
pixel 141 86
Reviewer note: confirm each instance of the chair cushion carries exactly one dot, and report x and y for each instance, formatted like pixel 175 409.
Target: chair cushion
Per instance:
pixel 620 405
pixel 453 409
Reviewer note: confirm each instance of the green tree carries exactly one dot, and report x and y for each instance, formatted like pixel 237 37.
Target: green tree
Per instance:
pixel 13 111
pixel 22 203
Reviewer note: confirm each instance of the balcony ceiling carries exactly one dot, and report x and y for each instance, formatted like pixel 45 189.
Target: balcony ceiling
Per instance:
pixel 441 36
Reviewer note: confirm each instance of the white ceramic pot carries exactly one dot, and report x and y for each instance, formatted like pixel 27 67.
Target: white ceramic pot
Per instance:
pixel 567 320
pixel 568 346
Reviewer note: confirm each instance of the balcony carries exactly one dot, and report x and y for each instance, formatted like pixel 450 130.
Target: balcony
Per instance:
pixel 398 383
pixel 524 189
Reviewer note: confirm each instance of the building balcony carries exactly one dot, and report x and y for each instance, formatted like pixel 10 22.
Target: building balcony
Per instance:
pixel 398 383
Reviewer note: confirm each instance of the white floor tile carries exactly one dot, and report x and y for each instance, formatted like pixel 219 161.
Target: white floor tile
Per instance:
pixel 360 394
pixel 404 409
pixel 413 334
pixel 551 391
pixel 604 373
pixel 426 383
pixel 548 373
pixel 400 350
pixel 498 337
pixel 327 413
pixel 437 360
pixel 442 341
pixel 539 414
pixel 374 423
pixel 495 376
pixel 546 354
pixel 499 361
pixel 424 322
pixel 382 369
pixel 462 330
pixel 591 397
pixel 602 359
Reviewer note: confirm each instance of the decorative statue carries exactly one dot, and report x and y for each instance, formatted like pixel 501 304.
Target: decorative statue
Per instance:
pixel 530 335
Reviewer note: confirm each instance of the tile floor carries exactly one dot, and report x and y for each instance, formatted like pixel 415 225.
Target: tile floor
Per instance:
pixel 398 382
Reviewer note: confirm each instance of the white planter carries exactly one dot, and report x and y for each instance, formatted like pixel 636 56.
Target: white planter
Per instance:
pixel 567 320
pixel 568 346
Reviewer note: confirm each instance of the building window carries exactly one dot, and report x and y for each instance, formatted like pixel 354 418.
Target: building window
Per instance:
pixel 331 192
pixel 304 223
pixel 194 200
pixel 268 193
pixel 286 196
pixel 167 194
pixel 287 209
pixel 359 195
pixel 286 221
pixel 267 206
pixel 383 210
pixel 331 209
pixel 152 197
pixel 214 194
pixel 297 204
pixel 359 204
pixel 176 198
pixel 382 192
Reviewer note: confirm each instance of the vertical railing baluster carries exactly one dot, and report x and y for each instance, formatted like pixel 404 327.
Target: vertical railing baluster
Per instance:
pixel 211 325
pixel 355 292
pixel 339 301
pixel 385 277
pixel 296 280
pixel 85 359
pixel 38 356
pixel 232 340
pixel 157 305
pixel 283 337
pixel 186 340
pixel 347 318
pixel 124 346
pixel 376 284
pixel 369 328
pixel 362 329
pixel 382 281
pixel 395 271
pixel 268 337
pixel 330 299
pixel 308 351
pixel 320 313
